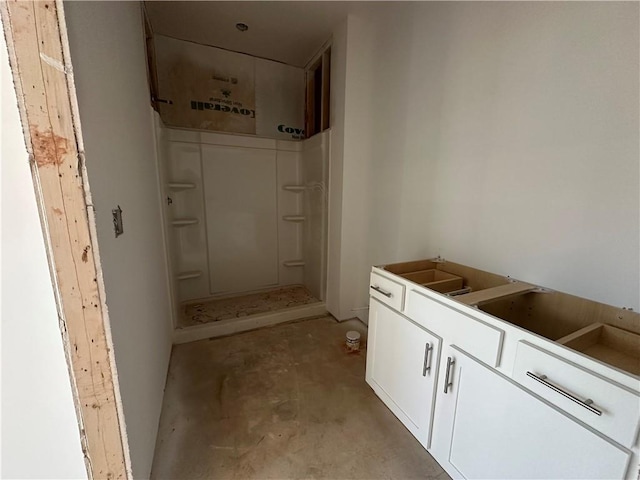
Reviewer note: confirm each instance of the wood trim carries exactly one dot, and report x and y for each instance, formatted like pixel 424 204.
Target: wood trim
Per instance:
pixel 309 125
pixel 314 59
pixel 38 52
pixel 326 90
pixel 150 56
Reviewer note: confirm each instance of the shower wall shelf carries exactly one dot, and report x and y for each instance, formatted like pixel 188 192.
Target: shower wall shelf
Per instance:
pixel 183 222
pixel 294 188
pixel 293 263
pixel 188 275
pixel 294 218
pixel 181 185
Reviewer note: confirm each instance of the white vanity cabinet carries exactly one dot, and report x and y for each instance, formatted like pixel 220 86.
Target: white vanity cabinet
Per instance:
pixel 402 367
pixel 488 426
pixel 490 390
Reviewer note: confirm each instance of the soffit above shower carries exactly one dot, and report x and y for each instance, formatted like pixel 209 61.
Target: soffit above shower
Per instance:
pixel 288 32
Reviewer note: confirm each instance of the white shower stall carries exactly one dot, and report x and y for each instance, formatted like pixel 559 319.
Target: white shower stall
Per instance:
pixel 243 214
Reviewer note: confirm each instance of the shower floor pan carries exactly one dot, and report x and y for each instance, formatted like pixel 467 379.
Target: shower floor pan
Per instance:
pixel 228 308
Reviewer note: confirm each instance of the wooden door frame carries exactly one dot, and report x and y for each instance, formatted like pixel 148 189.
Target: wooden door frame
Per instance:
pixel 40 62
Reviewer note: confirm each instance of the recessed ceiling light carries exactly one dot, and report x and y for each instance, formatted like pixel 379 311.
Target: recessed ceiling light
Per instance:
pixel 243 27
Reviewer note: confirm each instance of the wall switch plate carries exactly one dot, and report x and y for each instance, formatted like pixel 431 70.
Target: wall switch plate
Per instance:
pixel 117 221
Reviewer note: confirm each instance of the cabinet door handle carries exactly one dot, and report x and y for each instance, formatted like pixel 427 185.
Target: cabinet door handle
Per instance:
pixel 583 403
pixel 383 292
pixel 448 381
pixel 426 365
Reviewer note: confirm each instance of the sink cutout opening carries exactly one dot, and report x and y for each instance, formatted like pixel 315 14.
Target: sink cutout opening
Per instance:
pixel 608 344
pixel 525 312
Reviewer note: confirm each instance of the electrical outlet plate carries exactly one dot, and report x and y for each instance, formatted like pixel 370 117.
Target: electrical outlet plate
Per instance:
pixel 117 221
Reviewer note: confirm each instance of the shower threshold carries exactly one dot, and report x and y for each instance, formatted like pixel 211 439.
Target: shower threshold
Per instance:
pixel 224 316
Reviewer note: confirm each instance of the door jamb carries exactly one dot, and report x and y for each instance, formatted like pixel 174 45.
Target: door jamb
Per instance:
pixel 40 62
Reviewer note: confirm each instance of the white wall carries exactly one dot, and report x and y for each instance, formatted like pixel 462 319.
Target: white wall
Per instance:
pixel 107 53
pixel 356 200
pixel 40 437
pixel 336 160
pixel 500 135
pixel 315 166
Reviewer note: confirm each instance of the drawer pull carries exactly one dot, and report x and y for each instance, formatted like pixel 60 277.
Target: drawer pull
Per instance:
pixel 583 403
pixel 426 365
pixel 448 383
pixel 383 292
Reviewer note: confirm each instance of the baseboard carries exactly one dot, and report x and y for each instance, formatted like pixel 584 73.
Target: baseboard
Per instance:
pixel 244 324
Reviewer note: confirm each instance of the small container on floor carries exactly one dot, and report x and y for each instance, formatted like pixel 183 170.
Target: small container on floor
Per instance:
pixel 353 340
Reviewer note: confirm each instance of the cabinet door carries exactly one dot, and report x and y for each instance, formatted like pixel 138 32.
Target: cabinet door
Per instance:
pixel 491 427
pixel 402 366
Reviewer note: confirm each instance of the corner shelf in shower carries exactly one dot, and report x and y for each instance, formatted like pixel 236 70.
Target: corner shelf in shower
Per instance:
pixel 183 222
pixel 181 185
pixel 294 188
pixel 188 275
pixel 294 218
pixel 293 263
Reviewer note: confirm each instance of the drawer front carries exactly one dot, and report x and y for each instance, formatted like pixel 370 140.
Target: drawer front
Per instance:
pixel 480 339
pixel 606 406
pixel 387 291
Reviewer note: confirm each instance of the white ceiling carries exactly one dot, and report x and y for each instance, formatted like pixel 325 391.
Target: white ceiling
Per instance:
pixel 289 32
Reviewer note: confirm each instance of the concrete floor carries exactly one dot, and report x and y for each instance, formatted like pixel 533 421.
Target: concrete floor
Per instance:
pixel 281 402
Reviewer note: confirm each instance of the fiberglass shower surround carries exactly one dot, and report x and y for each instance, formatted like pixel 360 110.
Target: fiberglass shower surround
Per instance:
pixel 243 213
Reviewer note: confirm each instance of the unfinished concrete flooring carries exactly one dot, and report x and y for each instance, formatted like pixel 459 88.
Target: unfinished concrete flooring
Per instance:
pixel 281 402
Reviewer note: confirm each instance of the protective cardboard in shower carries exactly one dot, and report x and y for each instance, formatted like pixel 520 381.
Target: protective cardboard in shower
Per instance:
pixel 209 88
pixel 217 90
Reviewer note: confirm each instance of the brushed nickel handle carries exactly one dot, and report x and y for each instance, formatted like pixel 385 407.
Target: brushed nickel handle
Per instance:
pixel 426 365
pixel 383 292
pixel 450 363
pixel 583 403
